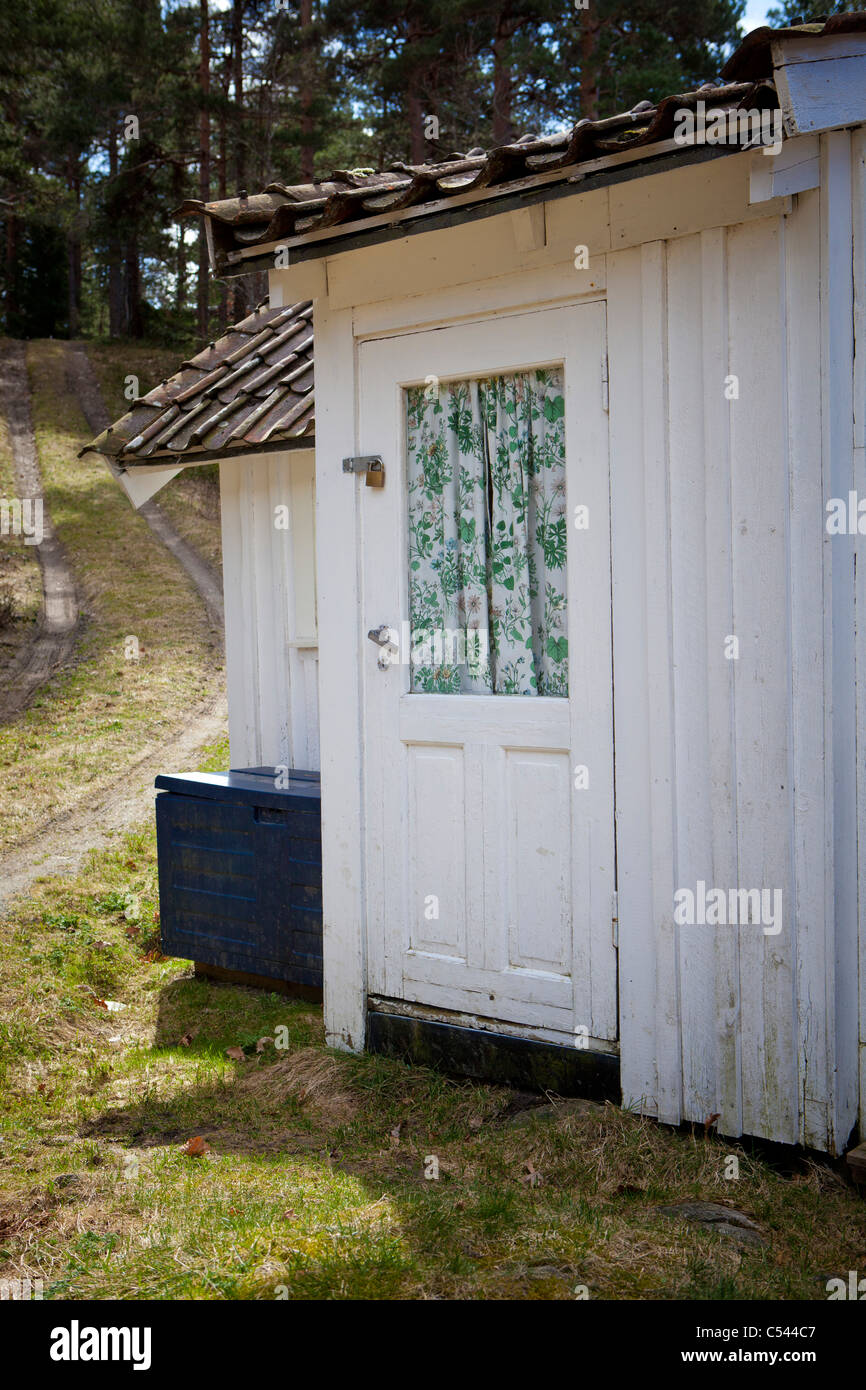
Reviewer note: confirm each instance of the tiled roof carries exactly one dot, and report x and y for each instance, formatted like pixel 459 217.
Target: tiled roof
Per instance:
pixel 251 389
pixel 352 198
pixel 357 200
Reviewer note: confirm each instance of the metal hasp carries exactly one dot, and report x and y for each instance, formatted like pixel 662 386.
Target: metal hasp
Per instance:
pixel 371 464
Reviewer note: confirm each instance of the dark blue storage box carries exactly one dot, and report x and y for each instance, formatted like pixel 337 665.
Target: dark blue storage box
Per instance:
pixel 240 872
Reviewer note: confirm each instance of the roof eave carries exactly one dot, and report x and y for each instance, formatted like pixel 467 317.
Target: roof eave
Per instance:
pixel 575 179
pixel 193 458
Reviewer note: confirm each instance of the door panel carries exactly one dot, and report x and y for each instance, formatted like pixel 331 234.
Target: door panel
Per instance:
pixel 489 875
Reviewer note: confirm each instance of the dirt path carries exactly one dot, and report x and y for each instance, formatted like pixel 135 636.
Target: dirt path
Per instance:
pixel 60 845
pixel 53 646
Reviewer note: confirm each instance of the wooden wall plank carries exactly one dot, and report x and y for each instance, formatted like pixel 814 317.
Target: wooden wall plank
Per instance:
pixel 340 665
pixel 762 674
pixel 721 786
pixel 697 649
pixel 236 674
pixel 631 561
pixel 657 578
pixel 858 200
pixel 812 853
pixel 241 653
pixel 840 726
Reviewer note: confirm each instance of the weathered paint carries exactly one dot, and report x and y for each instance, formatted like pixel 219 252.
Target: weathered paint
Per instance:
pixel 737 772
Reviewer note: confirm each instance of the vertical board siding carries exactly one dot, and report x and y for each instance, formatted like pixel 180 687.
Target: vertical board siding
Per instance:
pixel 812 850
pixel 858 200
pixel 841 726
pixel 632 549
pixel 762 696
pixel 697 654
pixel 726 1089
pixel 270 598
pixel 238 565
pixel 662 772
pixel 717 532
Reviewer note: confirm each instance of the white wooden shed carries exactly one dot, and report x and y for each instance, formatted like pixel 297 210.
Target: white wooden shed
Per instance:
pixel 655 860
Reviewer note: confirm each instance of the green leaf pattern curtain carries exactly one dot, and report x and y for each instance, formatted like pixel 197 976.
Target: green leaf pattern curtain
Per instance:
pixel 487 535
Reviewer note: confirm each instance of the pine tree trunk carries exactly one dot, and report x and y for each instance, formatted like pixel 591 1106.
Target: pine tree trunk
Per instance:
pixel 134 318
pixel 115 268
pixel 180 253
pixel 236 302
pixel 226 304
pixel 10 305
pixel 204 166
pixel 306 94
pixel 73 250
pixel 415 102
pixel 589 87
pixel 10 297
pixel 503 128
pixel 238 78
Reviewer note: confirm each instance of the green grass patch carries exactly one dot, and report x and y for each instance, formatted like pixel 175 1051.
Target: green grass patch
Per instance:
pixel 313 1180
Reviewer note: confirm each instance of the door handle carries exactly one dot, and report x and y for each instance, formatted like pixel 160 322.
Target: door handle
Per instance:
pixel 386 638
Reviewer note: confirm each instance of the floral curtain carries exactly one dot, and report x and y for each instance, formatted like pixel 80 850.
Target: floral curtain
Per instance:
pixel 487 535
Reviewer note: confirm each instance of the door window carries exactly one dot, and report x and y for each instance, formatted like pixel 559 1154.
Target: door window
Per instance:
pixel 487 535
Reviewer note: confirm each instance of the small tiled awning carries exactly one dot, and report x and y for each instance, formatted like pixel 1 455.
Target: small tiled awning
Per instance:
pixel 248 392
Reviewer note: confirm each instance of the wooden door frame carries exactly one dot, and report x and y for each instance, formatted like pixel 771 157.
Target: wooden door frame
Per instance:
pixel 341 658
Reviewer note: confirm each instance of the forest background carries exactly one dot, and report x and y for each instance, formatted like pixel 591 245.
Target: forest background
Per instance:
pixel 114 111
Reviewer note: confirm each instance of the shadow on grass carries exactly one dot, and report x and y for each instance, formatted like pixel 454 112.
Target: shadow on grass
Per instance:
pixel 344 1140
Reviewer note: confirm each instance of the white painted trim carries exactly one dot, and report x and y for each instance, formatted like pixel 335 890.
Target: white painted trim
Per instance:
pixel 821 82
pixel 794 169
pixel 554 287
pixel 340 665
pixel 139 484
pixel 837 301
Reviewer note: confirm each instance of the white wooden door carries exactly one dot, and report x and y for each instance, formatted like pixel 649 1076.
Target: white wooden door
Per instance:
pixel 490 875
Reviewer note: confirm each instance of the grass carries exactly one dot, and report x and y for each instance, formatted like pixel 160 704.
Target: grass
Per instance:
pixel 313 1182
pixel 91 722
pixel 191 501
